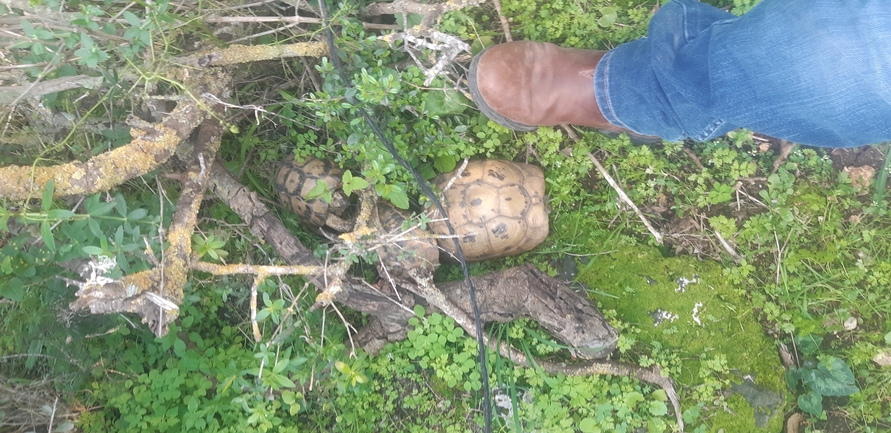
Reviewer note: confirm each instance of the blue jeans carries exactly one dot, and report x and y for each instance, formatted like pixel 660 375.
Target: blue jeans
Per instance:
pixel 811 72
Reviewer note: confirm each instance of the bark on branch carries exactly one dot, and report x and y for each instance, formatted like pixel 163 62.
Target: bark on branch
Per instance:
pixel 237 54
pixel 12 93
pixel 149 148
pixel 156 294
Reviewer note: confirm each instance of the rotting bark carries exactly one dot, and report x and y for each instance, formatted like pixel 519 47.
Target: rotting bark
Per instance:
pixel 522 292
pixel 526 292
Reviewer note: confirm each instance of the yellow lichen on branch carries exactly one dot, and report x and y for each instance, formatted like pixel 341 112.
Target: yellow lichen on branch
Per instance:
pixel 216 269
pixel 148 149
pixel 156 294
pixel 236 54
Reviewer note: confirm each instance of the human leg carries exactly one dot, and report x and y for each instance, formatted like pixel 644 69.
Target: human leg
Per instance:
pixel 817 73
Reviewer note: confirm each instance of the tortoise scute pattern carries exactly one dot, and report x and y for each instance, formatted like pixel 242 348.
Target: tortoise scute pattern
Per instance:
pixel 294 181
pixel 498 208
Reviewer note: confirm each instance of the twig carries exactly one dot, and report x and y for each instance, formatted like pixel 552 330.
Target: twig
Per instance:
pixel 504 24
pixel 455 177
pixel 295 20
pixel 435 297
pixel 258 337
pixel 268 32
pixel 738 188
pixel 625 197
pixel 786 148
pixel 347 326
pixel 215 269
pixel 736 257
pixel 351 243
pixel 694 157
pixel 652 375
pixel 449 46
pixel 779 256
pixel 11 95
pixel 570 132
pixel 52 415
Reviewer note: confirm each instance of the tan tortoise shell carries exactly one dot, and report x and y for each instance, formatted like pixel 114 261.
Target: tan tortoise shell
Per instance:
pixel 294 181
pixel 498 208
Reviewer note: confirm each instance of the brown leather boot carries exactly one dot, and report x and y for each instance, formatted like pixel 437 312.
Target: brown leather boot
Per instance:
pixel 525 84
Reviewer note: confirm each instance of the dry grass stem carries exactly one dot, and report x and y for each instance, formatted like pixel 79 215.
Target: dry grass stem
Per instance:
pixel 625 197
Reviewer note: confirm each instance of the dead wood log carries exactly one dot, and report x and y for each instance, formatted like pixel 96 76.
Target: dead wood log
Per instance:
pixel 522 292
pixel 527 292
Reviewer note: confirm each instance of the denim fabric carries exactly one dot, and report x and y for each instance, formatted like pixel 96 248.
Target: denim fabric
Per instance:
pixel 811 72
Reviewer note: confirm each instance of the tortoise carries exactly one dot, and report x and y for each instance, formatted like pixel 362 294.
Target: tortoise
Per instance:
pixel 295 180
pixel 498 208
pixel 412 249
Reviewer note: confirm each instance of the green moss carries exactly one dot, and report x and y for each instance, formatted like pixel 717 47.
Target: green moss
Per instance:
pixel 717 355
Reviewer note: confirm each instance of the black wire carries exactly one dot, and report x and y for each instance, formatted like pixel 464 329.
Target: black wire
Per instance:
pixel 425 188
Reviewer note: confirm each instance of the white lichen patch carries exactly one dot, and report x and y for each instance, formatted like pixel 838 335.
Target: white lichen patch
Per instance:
pixel 504 404
pixel 683 282
pixel 93 273
pixel 661 315
pixel 696 313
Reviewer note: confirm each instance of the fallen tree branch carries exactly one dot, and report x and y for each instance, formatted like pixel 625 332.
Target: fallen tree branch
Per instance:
pixel 237 54
pixel 151 146
pixel 532 294
pixel 156 294
pixel 215 269
pixel 652 375
pixel 505 27
pixel 10 94
pixel 294 20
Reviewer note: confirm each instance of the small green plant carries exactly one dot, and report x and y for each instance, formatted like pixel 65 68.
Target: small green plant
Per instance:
pixel 433 342
pixel 829 377
pixel 209 246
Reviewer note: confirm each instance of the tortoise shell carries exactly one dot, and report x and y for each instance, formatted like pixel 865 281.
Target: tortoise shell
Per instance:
pixel 498 208
pixel 416 250
pixel 294 181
